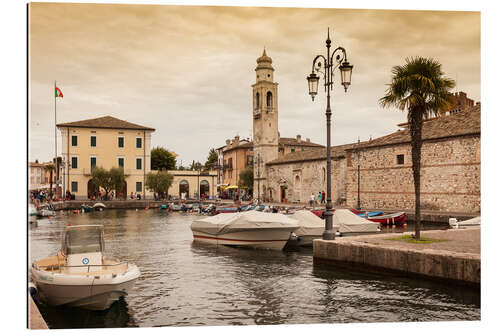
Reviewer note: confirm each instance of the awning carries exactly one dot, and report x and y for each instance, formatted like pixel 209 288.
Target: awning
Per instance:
pixel 232 187
pixel 222 185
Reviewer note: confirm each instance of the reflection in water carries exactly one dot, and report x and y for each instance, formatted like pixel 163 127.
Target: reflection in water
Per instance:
pixel 64 317
pixel 184 283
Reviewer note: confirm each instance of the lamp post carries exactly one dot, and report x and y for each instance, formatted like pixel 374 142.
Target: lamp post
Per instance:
pixel 330 63
pixel 359 201
pixel 258 179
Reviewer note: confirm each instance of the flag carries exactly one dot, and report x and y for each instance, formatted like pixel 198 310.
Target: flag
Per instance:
pixel 59 92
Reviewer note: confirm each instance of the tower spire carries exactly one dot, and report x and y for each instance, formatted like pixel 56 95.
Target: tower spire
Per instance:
pixel 264 53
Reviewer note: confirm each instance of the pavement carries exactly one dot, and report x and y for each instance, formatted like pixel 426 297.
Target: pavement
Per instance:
pixel 463 241
pixel 35 319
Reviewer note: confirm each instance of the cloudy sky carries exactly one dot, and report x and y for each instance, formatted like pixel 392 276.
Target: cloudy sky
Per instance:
pixel 187 71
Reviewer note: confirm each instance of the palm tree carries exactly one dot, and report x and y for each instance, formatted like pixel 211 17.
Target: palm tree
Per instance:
pixel 420 88
pixel 50 168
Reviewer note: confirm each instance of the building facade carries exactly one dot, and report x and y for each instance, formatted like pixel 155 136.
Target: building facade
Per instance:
pixel 105 142
pixel 450 169
pixel 193 183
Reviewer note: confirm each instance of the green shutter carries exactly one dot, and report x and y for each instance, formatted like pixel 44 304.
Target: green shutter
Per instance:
pixel 74 140
pixel 138 164
pixel 120 162
pixel 74 186
pixel 74 162
pixel 93 141
pixel 138 142
pixel 138 186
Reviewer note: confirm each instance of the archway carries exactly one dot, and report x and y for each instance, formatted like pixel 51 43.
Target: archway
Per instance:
pixel 183 188
pixel 204 188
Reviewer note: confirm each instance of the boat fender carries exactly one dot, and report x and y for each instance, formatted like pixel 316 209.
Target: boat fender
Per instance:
pixel 75 211
pixel 32 289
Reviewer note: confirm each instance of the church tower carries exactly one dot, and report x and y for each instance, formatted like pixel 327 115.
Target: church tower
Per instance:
pixel 265 124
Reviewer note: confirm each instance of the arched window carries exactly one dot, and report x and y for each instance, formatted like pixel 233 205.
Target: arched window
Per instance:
pixel 269 100
pixel 257 101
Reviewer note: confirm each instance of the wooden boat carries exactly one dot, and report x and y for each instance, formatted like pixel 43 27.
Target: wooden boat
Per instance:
pixel 389 219
pixel 86 208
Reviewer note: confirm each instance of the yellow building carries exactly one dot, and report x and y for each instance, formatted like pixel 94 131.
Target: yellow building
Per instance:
pixel 193 183
pixel 105 142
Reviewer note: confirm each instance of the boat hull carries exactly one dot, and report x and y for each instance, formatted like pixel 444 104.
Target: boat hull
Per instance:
pixel 88 292
pixel 392 219
pixel 260 239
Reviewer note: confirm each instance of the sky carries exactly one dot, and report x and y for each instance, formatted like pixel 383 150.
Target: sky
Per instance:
pixel 187 71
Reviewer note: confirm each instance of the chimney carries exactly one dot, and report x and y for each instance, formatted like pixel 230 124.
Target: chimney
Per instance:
pixel 228 143
pixel 236 139
pixel 308 140
pixel 299 140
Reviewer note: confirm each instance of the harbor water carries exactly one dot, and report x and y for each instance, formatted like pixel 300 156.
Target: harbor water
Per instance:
pixel 187 284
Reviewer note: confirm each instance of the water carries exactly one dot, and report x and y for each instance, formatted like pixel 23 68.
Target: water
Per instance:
pixel 185 284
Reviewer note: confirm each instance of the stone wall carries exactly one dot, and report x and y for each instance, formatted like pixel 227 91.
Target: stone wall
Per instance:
pixel 303 178
pixel 450 176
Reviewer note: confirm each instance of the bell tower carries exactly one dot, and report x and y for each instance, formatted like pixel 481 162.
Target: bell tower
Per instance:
pixel 265 123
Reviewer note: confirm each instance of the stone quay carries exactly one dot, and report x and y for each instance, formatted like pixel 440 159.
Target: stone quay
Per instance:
pixel 456 258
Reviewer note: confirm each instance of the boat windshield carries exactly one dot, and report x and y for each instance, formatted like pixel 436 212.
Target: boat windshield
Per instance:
pixel 83 240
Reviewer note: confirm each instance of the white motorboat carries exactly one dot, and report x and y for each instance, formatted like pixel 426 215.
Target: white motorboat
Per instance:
pixel 310 226
pixel 79 275
pixel 250 229
pixel 476 221
pixel 45 211
pixel 350 224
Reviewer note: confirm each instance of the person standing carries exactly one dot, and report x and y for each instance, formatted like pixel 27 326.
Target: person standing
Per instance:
pixel 319 197
pixel 311 202
pixel 323 197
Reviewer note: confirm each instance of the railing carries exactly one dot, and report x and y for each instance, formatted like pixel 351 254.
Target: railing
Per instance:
pixel 35 266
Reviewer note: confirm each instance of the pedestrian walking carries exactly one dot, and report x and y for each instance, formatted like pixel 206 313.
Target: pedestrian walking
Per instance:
pixel 319 197
pixel 311 202
pixel 323 197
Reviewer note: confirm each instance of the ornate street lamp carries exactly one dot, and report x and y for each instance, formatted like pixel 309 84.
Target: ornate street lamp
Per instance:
pixel 326 66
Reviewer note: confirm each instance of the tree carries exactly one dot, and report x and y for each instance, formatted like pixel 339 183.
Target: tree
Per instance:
pixel 420 88
pixel 118 179
pixel 211 159
pixel 102 178
pixel 195 166
pixel 246 178
pixel 162 159
pixel 50 168
pixel 159 182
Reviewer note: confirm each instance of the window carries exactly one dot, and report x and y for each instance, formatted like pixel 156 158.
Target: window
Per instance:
pixel 292 150
pixel 93 141
pixel 269 100
pixel 74 140
pixel 401 159
pixel 93 162
pixel 249 160
pixel 138 186
pixel 138 163
pixel 257 100
pixel 230 163
pixel 120 142
pixel 74 186
pixel 138 142
pixel 121 162
pixel 74 162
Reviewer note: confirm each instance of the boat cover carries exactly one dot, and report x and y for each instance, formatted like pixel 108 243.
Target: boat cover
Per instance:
pixel 473 221
pixel 309 223
pixel 244 221
pixel 350 222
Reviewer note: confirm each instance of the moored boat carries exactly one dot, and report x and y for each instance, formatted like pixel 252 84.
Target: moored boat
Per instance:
pixel 389 219
pixel 350 224
pixel 79 275
pixel 249 229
